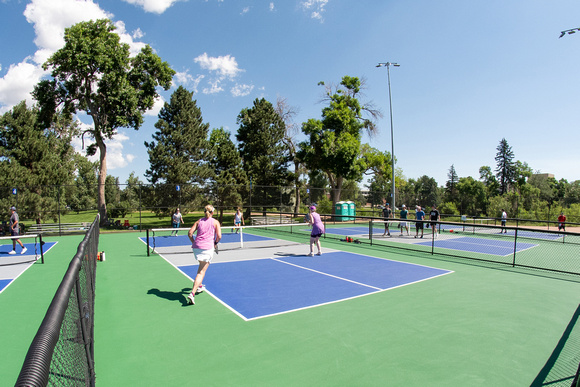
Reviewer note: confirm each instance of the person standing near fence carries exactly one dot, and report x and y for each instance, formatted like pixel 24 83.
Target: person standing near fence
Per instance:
pixel 503 221
pixel 404 224
pixel 317 231
pixel 420 216
pixel 176 221
pixel 435 217
pixel 208 236
pixel 387 215
pixel 15 231
pixel 562 222
pixel 238 219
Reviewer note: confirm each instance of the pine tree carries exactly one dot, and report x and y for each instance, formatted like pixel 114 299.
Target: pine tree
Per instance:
pixel 451 184
pixel 506 168
pixel 180 151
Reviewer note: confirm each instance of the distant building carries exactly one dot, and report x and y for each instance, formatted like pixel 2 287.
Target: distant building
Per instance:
pixel 544 175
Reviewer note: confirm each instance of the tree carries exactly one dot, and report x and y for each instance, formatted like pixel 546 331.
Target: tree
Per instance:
pixel 472 196
pixel 131 194
pixel 83 196
pixel 229 173
pixel 451 184
pixel 287 114
pixel 265 156
pixel 489 180
pixel 334 142
pixel 506 168
pixel 426 191
pixel 94 73
pixel 35 159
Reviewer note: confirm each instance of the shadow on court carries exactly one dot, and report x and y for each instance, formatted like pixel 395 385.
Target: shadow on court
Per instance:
pixel 562 365
pixel 171 296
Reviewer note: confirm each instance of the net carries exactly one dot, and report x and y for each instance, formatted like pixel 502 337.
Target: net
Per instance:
pixel 62 352
pixel 175 240
pixel 11 253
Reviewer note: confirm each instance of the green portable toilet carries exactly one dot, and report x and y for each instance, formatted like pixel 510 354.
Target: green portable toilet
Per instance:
pixel 345 211
pixel 351 210
pixel 341 208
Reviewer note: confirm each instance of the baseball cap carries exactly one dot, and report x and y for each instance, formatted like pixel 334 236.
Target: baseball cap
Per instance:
pixel 403 206
pixel 312 208
pixel 386 204
pixel 13 208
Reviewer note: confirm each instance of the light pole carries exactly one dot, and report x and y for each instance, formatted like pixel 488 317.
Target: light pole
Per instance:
pixel 388 66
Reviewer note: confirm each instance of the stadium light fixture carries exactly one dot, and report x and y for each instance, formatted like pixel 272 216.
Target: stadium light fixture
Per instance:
pixel 569 32
pixel 388 65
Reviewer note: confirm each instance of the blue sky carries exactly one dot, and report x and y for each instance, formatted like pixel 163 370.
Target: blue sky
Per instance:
pixel 472 72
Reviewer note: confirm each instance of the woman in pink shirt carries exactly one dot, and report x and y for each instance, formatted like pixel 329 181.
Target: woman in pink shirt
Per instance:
pixel 208 235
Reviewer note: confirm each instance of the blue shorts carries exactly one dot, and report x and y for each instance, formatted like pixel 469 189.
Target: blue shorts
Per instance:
pixel 176 225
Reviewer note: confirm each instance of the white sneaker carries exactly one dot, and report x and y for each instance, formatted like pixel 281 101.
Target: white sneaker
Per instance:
pixel 23 250
pixel 200 289
pixel 190 300
pixel 310 254
pixel 12 252
pixel 319 253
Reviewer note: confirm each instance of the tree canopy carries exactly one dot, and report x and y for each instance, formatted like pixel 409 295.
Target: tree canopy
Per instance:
pixel 94 73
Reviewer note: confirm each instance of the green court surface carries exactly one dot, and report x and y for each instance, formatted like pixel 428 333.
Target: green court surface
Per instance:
pixel 482 325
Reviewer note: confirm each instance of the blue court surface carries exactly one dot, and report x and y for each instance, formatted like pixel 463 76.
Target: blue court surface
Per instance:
pixel 265 287
pixel 480 245
pixel 12 265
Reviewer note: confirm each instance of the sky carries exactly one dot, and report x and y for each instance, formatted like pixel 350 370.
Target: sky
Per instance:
pixel 471 72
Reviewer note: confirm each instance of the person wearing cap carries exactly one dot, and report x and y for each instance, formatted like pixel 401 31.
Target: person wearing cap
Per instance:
pixel 208 235
pixel 317 230
pixel 420 216
pixel 15 231
pixel 176 220
pixel 435 217
pixel 403 216
pixel 387 214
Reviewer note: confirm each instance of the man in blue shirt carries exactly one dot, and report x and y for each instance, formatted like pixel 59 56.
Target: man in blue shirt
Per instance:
pixel 420 216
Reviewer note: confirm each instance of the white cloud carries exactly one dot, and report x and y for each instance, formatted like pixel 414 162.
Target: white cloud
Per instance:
pixel 316 8
pixel 214 87
pixel 17 84
pixel 272 7
pixel 153 6
pixel 157 105
pixel 224 66
pixel 184 78
pixel 245 10
pixel 241 90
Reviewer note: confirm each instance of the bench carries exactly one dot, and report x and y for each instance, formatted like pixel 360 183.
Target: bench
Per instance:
pixel 56 228
pixel 265 220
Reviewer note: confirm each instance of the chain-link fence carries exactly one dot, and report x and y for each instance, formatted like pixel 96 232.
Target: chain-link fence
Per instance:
pixel 62 352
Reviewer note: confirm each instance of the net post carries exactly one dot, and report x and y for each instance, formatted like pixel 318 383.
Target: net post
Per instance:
pixel 371 231
pixel 147 244
pixel 241 237
pixel 41 249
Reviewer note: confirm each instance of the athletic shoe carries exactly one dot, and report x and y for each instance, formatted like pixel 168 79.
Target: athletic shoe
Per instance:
pixel 23 250
pixel 319 253
pixel 190 300
pixel 310 254
pixel 200 289
pixel 12 252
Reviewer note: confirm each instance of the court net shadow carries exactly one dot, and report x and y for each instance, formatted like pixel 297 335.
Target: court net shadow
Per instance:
pixel 561 367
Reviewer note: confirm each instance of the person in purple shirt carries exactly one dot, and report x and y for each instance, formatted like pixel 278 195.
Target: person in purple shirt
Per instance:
pixel 317 230
pixel 208 235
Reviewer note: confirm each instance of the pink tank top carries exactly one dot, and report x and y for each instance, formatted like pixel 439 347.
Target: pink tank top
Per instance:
pixel 205 237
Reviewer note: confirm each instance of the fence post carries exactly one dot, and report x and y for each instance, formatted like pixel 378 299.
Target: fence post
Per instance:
pixel 515 247
pixel 371 231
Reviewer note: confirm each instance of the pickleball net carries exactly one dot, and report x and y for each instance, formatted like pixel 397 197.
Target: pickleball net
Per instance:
pixel 62 352
pixel 32 243
pixel 175 240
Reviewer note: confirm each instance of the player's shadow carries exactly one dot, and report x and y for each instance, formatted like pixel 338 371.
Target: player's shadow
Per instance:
pixel 172 296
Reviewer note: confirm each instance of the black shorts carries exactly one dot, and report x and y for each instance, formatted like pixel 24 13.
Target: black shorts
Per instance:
pixel 419 225
pixel 316 235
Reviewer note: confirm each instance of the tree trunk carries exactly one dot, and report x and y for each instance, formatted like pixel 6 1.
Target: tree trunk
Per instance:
pixel 102 205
